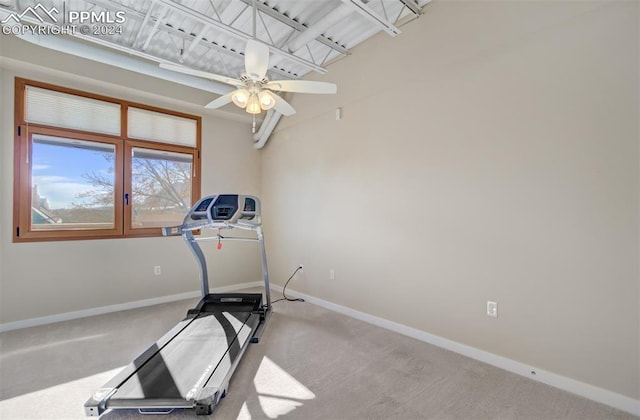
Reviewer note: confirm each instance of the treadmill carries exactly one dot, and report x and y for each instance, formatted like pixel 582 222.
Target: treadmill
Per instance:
pixel 191 365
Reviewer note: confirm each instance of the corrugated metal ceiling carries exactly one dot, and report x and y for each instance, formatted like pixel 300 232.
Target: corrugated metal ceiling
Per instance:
pixel 211 35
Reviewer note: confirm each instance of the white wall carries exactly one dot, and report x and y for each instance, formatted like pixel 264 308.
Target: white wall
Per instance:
pixel 50 278
pixel 489 152
pixel 3 174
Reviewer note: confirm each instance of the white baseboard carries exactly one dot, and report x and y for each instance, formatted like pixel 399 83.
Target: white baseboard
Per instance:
pixel 610 398
pixel 33 322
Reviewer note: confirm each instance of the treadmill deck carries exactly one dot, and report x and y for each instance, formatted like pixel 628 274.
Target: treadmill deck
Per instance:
pixel 189 367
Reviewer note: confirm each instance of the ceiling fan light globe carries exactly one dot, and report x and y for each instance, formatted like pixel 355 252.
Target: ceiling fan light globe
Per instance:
pixel 267 101
pixel 240 98
pixel 253 105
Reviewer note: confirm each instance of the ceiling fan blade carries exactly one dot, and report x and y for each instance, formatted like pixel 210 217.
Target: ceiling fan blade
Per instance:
pixel 221 101
pixel 283 106
pixel 302 86
pixel 204 74
pixel 256 59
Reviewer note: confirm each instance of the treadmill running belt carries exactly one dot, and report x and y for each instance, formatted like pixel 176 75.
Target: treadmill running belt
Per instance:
pixel 185 361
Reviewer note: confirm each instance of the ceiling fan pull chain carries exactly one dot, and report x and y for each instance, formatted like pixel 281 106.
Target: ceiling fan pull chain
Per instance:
pixel 253 127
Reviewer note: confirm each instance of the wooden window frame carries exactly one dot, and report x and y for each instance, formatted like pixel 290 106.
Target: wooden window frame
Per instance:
pixel 22 186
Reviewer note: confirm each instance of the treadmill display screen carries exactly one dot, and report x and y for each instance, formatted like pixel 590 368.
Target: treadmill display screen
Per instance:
pixel 204 205
pixel 249 204
pixel 225 207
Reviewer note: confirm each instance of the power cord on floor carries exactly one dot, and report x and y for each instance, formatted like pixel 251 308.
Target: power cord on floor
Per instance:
pixel 284 289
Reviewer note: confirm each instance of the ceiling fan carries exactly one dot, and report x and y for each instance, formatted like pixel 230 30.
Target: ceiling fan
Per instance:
pixel 255 92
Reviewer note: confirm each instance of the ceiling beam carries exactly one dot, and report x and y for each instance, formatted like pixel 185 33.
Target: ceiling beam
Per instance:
pixel 372 16
pixel 192 45
pixel 170 30
pixel 142 27
pixel 413 6
pixel 236 33
pixel 297 26
pixel 119 60
pixel 161 17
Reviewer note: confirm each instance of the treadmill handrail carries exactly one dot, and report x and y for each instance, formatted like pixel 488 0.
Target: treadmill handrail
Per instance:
pixel 205 224
pixel 203 210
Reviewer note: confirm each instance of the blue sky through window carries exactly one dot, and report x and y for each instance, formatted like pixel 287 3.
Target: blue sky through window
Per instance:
pixel 58 171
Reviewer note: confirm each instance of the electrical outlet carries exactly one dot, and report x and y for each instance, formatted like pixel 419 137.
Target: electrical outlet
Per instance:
pixel 332 274
pixel 492 309
pixel 157 270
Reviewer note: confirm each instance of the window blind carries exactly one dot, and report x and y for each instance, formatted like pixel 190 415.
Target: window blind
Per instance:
pixel 161 155
pixel 165 128
pixel 59 109
pixel 78 144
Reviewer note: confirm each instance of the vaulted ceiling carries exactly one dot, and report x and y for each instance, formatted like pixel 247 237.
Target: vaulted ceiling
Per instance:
pixel 303 36
pixel 210 35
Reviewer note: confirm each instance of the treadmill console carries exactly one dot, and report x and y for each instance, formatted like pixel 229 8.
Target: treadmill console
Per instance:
pixel 222 211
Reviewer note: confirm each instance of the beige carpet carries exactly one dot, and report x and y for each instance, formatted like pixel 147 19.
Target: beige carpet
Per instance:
pixel 311 364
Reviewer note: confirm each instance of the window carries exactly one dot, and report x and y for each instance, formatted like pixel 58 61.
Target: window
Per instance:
pixel 161 187
pixel 88 166
pixel 66 194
